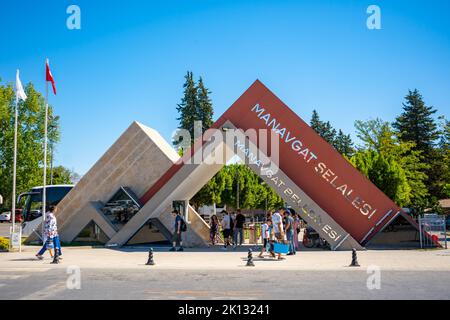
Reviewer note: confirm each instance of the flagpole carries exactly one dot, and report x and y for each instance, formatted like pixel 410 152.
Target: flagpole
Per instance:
pixel 44 195
pixel 13 213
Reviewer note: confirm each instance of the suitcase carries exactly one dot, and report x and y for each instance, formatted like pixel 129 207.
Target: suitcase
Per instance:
pixel 281 248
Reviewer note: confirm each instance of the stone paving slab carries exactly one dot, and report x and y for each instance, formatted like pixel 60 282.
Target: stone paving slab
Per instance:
pixel 214 258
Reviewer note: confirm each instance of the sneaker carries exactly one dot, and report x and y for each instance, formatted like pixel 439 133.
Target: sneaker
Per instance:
pixel 290 254
pixel 172 249
pixel 180 249
pixel 39 257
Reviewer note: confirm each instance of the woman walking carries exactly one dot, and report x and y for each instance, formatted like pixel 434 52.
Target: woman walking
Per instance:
pixel 214 229
pixel 50 234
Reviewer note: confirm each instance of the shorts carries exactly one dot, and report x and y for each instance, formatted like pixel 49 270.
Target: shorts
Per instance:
pixel 176 237
pixel 278 236
pixel 226 233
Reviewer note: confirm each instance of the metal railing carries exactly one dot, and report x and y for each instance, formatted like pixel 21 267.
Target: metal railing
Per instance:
pixel 434 226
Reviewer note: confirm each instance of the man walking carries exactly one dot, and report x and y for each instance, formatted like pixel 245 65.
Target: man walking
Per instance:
pixel 239 228
pixel 290 232
pixel 277 222
pixel 178 228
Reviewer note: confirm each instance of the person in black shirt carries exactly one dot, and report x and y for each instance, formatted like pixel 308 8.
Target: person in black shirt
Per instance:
pixel 239 228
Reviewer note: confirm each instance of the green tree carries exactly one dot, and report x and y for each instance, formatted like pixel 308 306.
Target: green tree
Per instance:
pixel 253 192
pixel 416 123
pixel 385 173
pixel 324 129
pixel 62 175
pixel 339 140
pixel 442 161
pixel 205 107
pixel 30 138
pixel 188 109
pixel 378 136
pixel 344 144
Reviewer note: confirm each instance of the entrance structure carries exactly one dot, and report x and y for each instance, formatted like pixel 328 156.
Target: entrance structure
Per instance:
pixel 342 205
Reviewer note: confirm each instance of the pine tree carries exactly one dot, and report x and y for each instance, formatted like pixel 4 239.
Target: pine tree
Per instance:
pixel 205 108
pixel 188 109
pixel 324 129
pixel 344 144
pixel 340 141
pixel 195 106
pixel 416 123
pixel 315 123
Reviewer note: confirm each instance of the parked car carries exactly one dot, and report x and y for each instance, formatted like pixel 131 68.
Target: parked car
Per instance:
pixel 5 216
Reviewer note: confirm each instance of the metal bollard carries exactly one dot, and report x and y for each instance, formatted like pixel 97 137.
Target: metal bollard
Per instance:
pixel 354 259
pixel 150 261
pixel 250 259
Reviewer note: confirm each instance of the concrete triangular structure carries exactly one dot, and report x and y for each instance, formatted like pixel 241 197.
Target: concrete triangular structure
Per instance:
pixel 342 205
pixel 137 159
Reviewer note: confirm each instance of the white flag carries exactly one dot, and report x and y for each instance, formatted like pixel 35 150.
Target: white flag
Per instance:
pixel 20 94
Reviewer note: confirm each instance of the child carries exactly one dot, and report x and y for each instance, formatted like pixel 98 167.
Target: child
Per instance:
pixel 265 235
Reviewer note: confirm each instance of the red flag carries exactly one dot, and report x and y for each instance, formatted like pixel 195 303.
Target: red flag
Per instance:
pixel 49 76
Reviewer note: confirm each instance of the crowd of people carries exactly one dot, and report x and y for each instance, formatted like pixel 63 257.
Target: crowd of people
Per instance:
pixel 281 226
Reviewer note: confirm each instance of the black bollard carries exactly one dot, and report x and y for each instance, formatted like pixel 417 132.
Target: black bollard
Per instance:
pixel 354 259
pixel 250 259
pixel 150 261
pixel 55 257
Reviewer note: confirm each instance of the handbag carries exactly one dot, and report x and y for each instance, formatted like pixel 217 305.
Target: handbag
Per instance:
pixel 280 248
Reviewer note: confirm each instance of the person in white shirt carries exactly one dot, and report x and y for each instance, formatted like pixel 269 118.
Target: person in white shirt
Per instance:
pixel 277 221
pixel 265 235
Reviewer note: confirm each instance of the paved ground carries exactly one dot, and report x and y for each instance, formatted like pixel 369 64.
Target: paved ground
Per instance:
pixel 213 274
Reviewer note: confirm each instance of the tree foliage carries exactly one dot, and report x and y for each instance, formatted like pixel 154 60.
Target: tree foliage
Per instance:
pixel 194 106
pixel 386 173
pixel 30 139
pixel 338 139
pixel 417 124
pixel 378 136
pixel 236 179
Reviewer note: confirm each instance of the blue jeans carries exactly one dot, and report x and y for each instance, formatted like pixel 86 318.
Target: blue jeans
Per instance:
pixel 238 232
pixel 56 245
pixel 290 239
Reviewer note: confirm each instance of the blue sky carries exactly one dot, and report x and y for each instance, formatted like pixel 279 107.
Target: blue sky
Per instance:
pixel 129 58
